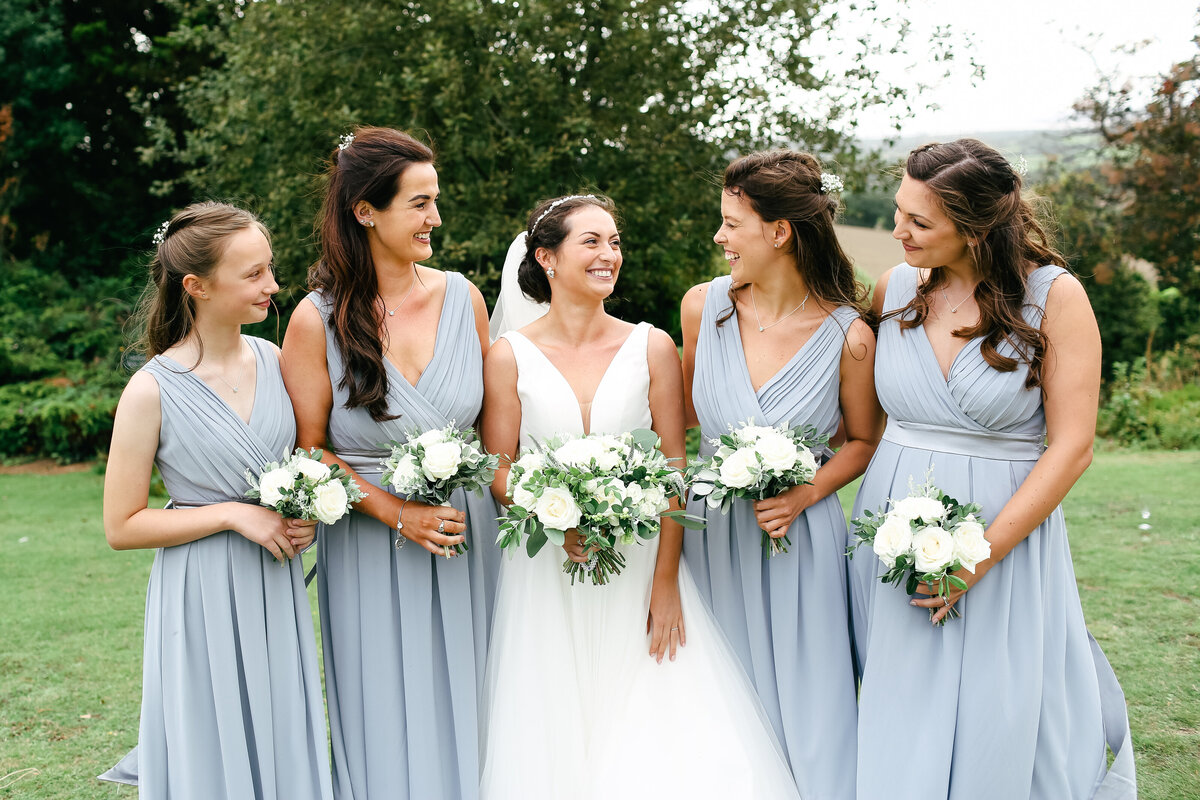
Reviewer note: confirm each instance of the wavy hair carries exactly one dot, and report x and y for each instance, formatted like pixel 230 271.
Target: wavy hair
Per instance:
pixel 192 243
pixel 980 192
pixel 547 227
pixel 786 185
pixel 369 167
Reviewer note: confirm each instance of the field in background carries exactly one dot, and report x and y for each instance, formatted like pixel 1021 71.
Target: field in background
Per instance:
pixel 71 625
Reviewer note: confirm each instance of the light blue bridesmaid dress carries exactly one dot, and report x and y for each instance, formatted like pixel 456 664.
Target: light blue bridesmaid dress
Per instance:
pixel 405 632
pixel 786 616
pixel 231 691
pixel 1015 699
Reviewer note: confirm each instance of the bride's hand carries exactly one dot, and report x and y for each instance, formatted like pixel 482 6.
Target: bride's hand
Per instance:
pixel 665 621
pixel 573 544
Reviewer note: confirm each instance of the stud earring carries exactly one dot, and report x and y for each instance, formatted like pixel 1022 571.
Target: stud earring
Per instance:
pixel 550 272
pixel 777 245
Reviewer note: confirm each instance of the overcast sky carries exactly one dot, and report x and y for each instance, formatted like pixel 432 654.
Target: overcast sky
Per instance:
pixel 1034 57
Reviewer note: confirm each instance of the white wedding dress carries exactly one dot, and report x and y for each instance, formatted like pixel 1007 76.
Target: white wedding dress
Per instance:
pixel 574 706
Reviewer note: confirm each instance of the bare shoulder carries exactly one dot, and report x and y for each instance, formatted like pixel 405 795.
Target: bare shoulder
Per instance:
pixel 1067 291
pixel 859 334
pixel 140 397
pixel 500 355
pixel 306 319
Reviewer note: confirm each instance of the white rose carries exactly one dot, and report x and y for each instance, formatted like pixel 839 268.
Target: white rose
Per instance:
pixel 312 469
pixel 406 471
pixel 653 502
pixel 892 539
pixel 933 548
pixel 435 436
pixel 923 508
pixel 807 459
pixel 523 498
pixel 441 460
pixel 272 484
pixel 970 545
pixel 607 460
pixel 736 471
pixel 329 501
pixel 556 509
pixel 531 461
pixel 754 433
pixel 579 452
pixel 778 451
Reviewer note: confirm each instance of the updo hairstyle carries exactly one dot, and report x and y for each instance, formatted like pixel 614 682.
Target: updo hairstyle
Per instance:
pixel 547 227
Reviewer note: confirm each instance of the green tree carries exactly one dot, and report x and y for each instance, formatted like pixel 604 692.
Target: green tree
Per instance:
pixel 642 99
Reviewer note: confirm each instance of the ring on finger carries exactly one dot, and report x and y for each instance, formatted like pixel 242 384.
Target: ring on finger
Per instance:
pixel 946 599
pixel 674 629
pixel 441 526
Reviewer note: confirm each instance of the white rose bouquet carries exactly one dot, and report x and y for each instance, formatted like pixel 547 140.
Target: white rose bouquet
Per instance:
pixel 612 489
pixel 755 462
pixel 925 538
pixel 303 487
pixel 430 466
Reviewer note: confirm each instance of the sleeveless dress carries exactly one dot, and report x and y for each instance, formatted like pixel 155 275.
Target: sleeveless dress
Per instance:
pixel 405 632
pixel 787 616
pixel 231 691
pixel 574 705
pixel 1014 699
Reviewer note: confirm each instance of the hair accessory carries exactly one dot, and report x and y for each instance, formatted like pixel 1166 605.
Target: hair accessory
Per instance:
pixel 555 205
pixel 160 235
pixel 1022 166
pixel 831 183
pixel 344 140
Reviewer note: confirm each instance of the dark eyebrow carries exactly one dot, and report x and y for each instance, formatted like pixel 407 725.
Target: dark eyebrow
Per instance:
pixel 908 214
pixel 417 197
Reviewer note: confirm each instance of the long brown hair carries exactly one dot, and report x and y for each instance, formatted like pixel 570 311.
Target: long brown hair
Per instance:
pixel 786 185
pixel 368 168
pixel 980 192
pixel 190 243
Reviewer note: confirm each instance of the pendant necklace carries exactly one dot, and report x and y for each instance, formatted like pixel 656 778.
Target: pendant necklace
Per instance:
pixel 393 311
pixel 241 372
pixel 954 308
pixel 762 327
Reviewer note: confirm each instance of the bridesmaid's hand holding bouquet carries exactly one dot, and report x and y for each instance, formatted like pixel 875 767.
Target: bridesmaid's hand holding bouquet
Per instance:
pixel 925 538
pixel 305 488
pixel 430 466
pixel 755 462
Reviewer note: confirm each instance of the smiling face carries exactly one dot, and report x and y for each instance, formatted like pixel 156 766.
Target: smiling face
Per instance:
pixel 402 230
pixel 748 241
pixel 240 286
pixel 929 238
pixel 589 258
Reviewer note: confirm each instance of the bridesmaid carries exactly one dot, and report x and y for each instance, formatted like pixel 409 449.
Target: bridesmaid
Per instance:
pixel 231 692
pixel 781 340
pixel 989 370
pixel 383 348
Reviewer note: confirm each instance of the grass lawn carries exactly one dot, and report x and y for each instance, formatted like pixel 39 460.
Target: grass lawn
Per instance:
pixel 71 622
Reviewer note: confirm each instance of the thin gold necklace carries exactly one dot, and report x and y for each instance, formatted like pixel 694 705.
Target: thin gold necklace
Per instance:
pixel 954 308
pixel 241 372
pixel 411 286
pixel 762 327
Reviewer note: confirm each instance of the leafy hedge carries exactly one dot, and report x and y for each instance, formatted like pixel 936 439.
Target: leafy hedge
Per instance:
pixel 1155 406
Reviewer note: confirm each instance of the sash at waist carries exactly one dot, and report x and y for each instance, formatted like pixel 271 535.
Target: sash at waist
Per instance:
pixel 185 504
pixel 979 444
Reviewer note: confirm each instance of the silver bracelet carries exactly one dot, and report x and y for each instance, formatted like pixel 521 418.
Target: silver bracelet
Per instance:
pixel 400 540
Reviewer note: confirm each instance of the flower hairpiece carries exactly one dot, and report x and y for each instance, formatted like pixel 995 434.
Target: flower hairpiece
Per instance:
pixel 1021 167
pixel 344 140
pixel 831 183
pixel 160 235
pixel 556 204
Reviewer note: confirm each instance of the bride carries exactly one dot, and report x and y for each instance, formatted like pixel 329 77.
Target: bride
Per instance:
pixel 628 689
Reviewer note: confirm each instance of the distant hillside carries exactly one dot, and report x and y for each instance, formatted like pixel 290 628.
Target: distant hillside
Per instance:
pixel 1077 147
pixel 872 251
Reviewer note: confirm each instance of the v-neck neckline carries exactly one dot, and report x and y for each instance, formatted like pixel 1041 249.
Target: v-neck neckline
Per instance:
pixel 257 375
pixel 437 343
pixel 949 373
pixel 563 378
pixel 786 366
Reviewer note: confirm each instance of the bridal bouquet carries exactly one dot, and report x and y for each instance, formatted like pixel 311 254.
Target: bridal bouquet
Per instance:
pixel 755 462
pixel 303 487
pixel 429 467
pixel 924 538
pixel 611 488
